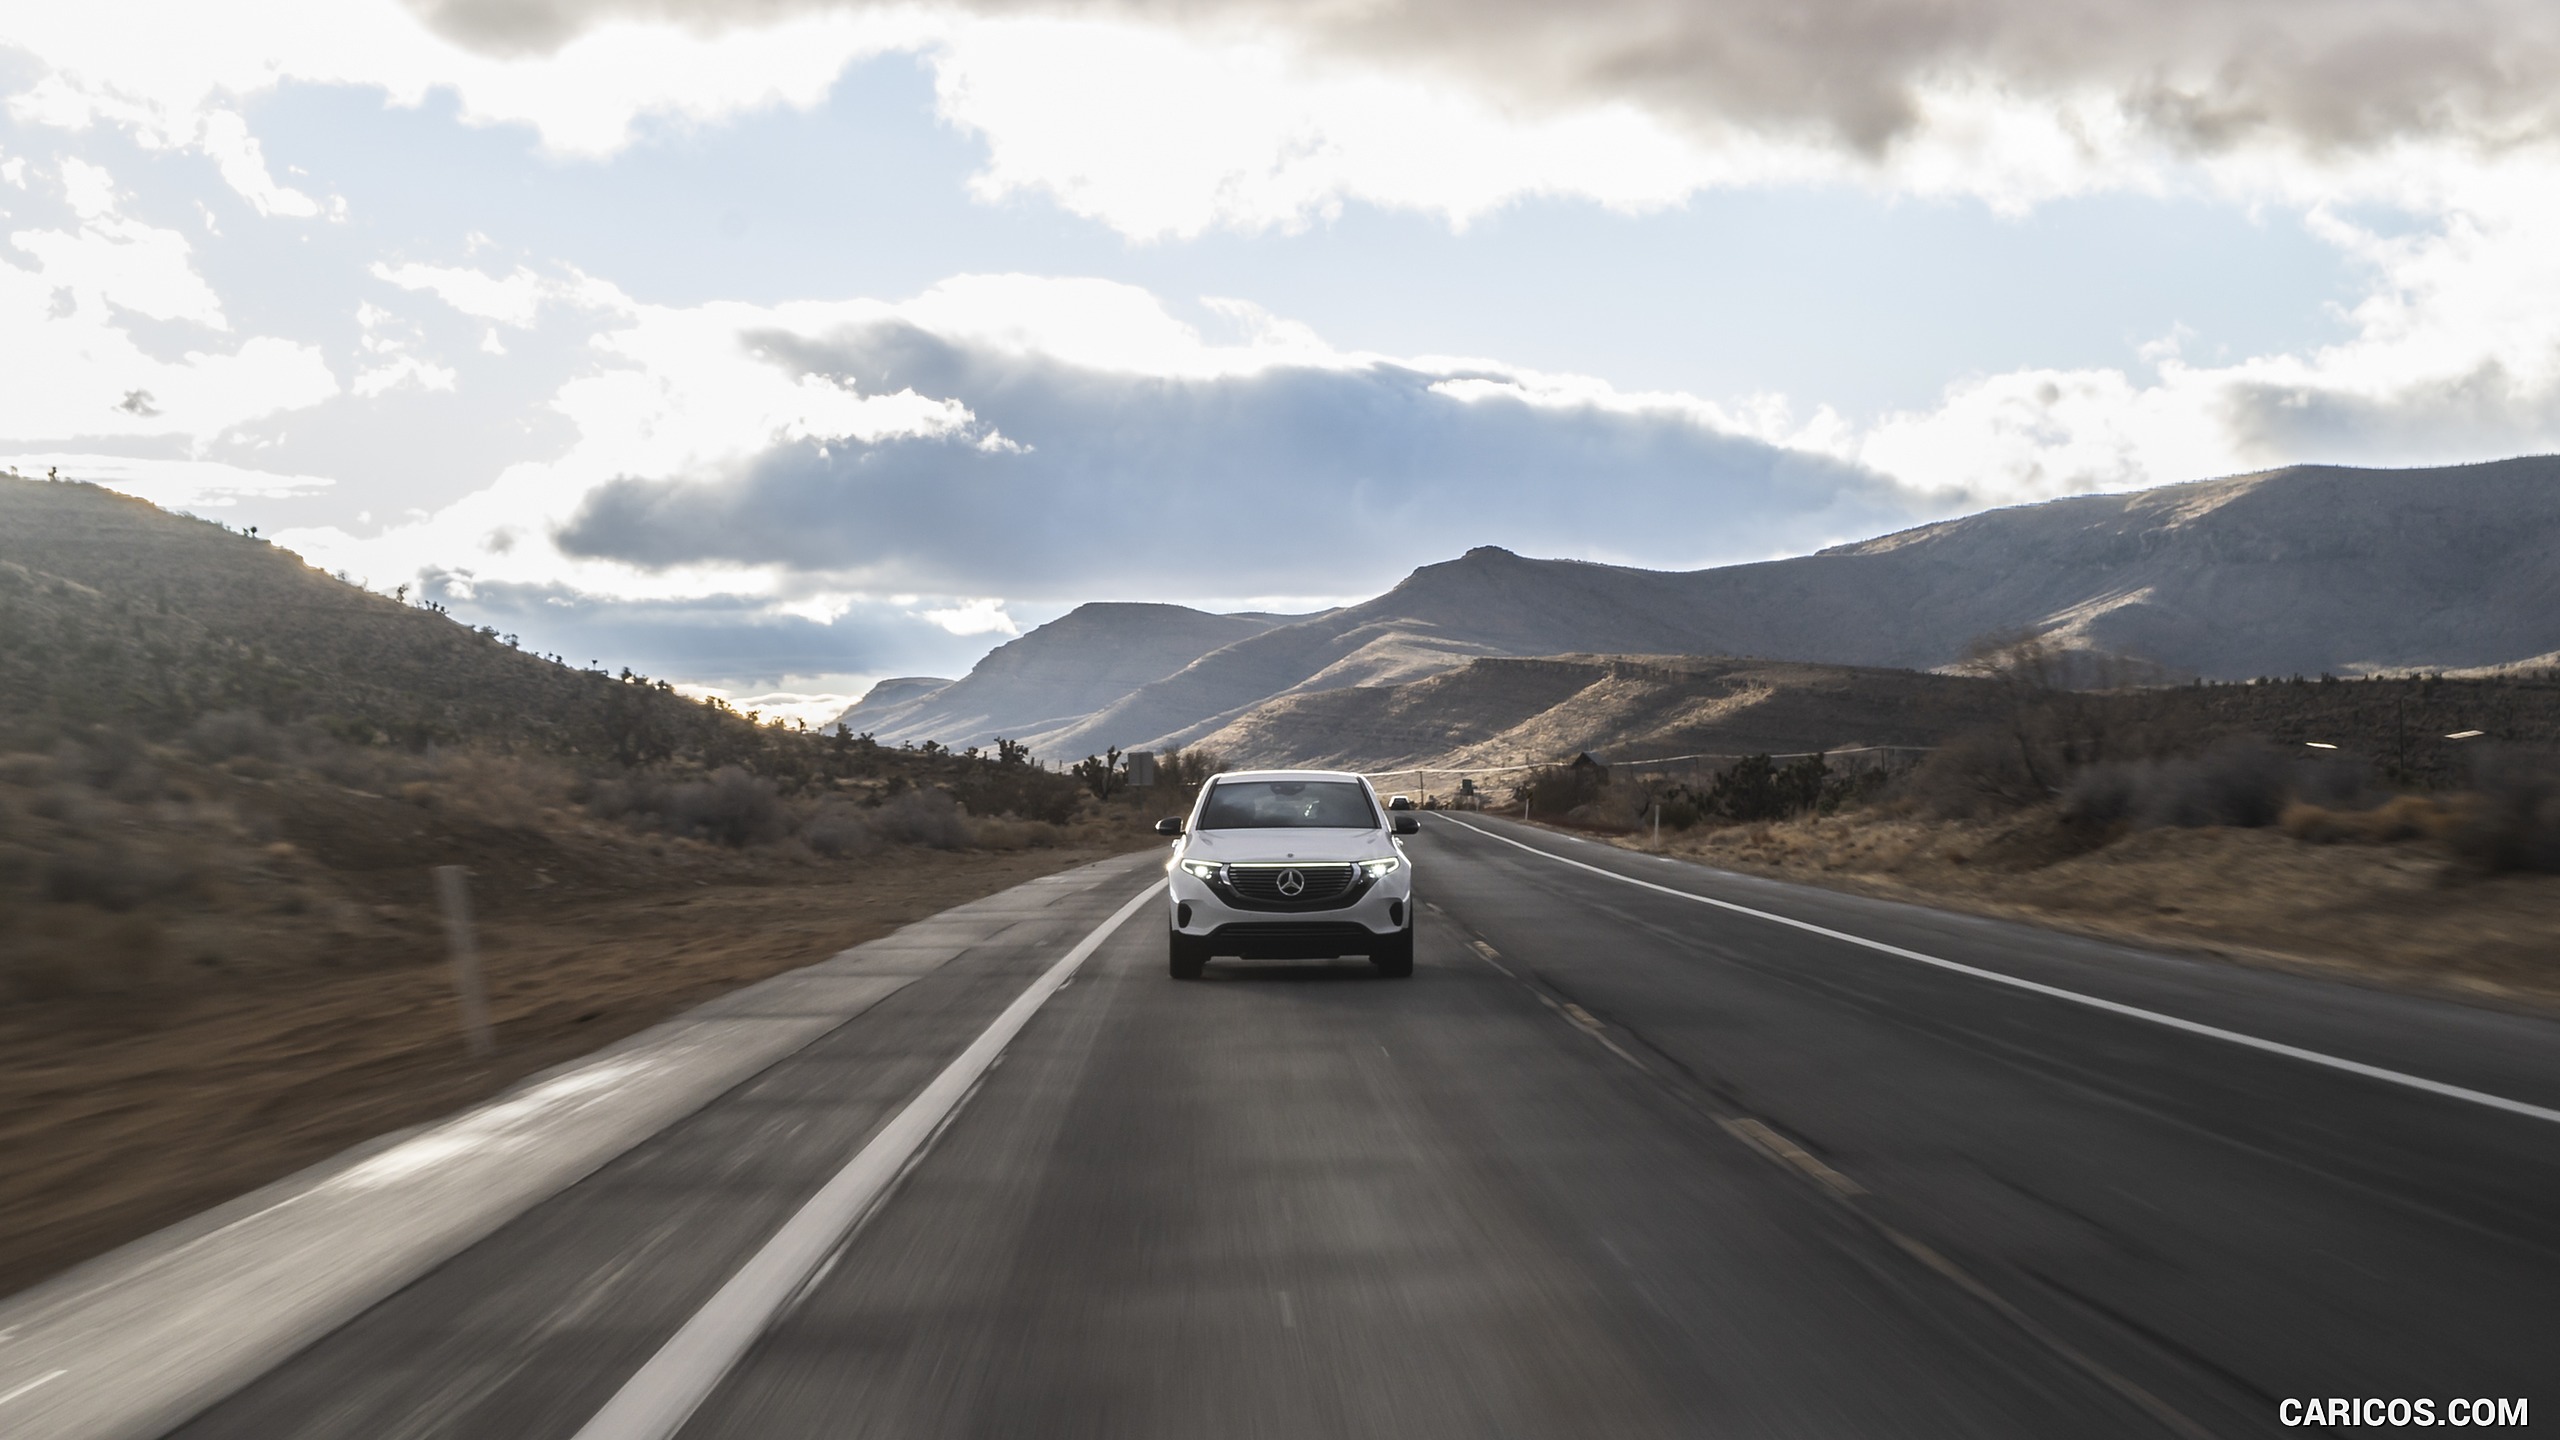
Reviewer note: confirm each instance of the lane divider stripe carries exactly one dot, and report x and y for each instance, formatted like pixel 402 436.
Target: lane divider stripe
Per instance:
pixel 657 1401
pixel 2215 1032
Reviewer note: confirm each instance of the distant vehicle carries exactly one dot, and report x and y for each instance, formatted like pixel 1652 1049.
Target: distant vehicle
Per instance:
pixel 1290 865
pixel 1399 802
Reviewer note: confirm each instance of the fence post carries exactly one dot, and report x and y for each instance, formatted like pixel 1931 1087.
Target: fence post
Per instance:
pixel 453 891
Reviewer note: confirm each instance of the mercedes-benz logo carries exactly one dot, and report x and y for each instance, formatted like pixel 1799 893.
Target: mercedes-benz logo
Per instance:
pixel 1290 884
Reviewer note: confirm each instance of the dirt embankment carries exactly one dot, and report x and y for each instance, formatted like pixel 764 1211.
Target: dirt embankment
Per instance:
pixel 2409 914
pixel 213 975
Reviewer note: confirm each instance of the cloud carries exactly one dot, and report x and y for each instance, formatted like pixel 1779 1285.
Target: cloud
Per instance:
pixel 1456 106
pixel 73 368
pixel 731 643
pixel 516 299
pixel 172 484
pixel 1450 107
pixel 2455 356
pixel 1289 478
pixel 2208 72
pixel 982 616
pixel 584 94
pixel 1268 140
pixel 403 372
pixel 243 164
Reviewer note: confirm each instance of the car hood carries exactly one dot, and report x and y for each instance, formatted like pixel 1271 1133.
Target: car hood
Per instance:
pixel 1236 847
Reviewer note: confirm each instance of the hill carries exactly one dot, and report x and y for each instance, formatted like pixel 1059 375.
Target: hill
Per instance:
pixel 1051 677
pixel 1492 712
pixel 1501 712
pixel 2303 570
pixel 224 777
pixel 115 611
pixel 885 699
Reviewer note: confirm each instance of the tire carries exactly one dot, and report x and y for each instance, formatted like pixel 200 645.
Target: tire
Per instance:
pixel 1394 956
pixel 1185 955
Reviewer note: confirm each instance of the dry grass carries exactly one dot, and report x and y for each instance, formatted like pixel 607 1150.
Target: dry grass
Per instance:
pixel 213 973
pixel 2376 896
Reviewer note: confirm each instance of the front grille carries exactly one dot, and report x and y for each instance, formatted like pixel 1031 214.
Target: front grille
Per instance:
pixel 1291 930
pixel 1290 940
pixel 1266 887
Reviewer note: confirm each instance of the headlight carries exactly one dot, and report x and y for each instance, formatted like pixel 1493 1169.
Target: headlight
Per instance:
pixel 1380 869
pixel 1203 869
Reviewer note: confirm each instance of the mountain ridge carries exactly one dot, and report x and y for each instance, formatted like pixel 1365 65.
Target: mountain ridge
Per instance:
pixel 1051 676
pixel 2303 569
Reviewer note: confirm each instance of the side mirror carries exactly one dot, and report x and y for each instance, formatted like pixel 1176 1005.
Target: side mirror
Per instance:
pixel 1399 802
pixel 1407 825
pixel 1169 825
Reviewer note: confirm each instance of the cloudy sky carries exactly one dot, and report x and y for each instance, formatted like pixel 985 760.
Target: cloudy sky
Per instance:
pixel 777 345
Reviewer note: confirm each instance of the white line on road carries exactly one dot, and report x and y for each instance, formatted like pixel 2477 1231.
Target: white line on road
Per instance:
pixel 2273 1047
pixel 655 1403
pixel 37 1383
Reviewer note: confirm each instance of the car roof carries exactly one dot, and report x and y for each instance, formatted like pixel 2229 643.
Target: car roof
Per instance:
pixel 1286 775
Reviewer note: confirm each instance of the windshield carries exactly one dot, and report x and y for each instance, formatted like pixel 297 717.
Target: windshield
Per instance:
pixel 1288 804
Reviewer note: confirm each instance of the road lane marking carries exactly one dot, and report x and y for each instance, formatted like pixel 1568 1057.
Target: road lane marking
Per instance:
pixel 1759 1134
pixel 37 1383
pixel 2215 1032
pixel 1766 1142
pixel 657 1401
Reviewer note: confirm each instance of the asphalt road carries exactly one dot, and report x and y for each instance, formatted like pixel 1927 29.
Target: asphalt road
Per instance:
pixel 1611 1163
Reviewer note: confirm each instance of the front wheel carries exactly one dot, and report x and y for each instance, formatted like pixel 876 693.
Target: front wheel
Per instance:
pixel 1394 955
pixel 1186 955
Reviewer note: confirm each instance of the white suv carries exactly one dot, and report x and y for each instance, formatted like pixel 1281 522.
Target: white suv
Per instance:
pixel 1290 865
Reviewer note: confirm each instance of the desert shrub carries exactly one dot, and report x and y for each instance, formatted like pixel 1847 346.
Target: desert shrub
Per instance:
pixel 505 789
pixel 109 877
pixel 57 952
pixel 25 769
pixel 369 768
pixel 1602 816
pixel 635 798
pixel 2403 817
pixel 1554 790
pixel 2513 820
pixel 2334 784
pixel 66 805
pixel 2241 785
pixel 727 807
pixel 1756 789
pixel 105 759
pixel 1973 776
pixel 839 830
pixel 730 807
pixel 1001 834
pixel 1016 788
pixel 923 817
pixel 230 734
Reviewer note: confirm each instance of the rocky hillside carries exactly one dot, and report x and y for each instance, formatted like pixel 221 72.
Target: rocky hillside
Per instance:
pixel 2304 570
pixel 1051 678
pixel 115 611
pixel 1491 712
pixel 1502 712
